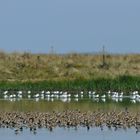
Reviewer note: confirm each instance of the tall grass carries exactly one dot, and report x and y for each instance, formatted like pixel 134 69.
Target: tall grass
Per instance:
pixel 121 83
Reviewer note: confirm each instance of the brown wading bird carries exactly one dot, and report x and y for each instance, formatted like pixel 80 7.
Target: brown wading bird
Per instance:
pixel 69 118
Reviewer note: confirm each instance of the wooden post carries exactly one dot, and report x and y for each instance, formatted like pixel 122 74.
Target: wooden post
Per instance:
pixel 104 56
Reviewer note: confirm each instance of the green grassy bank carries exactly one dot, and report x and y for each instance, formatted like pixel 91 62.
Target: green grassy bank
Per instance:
pixel 120 83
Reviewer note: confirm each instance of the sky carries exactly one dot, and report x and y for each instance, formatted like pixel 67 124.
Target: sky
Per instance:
pixel 70 26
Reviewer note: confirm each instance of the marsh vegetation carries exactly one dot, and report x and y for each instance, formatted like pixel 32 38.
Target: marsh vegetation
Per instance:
pixel 69 71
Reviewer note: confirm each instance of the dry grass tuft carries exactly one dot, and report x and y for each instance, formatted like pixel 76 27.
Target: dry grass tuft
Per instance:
pixel 35 67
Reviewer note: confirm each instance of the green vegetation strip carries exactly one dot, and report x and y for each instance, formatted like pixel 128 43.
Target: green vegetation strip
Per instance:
pixel 121 83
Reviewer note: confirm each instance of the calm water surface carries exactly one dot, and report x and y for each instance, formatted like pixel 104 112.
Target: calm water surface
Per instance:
pixel 71 134
pixel 56 105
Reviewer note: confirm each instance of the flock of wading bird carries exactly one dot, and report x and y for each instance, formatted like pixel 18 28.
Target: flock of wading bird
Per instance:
pixel 67 96
pixel 32 121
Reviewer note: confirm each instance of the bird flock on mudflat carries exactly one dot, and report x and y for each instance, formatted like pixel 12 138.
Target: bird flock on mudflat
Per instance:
pixel 32 121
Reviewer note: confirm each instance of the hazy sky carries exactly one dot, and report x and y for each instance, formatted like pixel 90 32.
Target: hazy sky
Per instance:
pixel 70 25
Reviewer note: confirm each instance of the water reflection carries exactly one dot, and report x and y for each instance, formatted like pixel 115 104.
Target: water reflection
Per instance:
pixel 72 134
pixel 65 104
pixel 66 96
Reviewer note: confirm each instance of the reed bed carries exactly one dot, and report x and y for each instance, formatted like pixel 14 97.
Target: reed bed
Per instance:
pixel 126 84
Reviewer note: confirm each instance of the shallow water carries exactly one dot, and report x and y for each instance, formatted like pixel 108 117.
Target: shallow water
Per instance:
pixel 56 105
pixel 71 134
